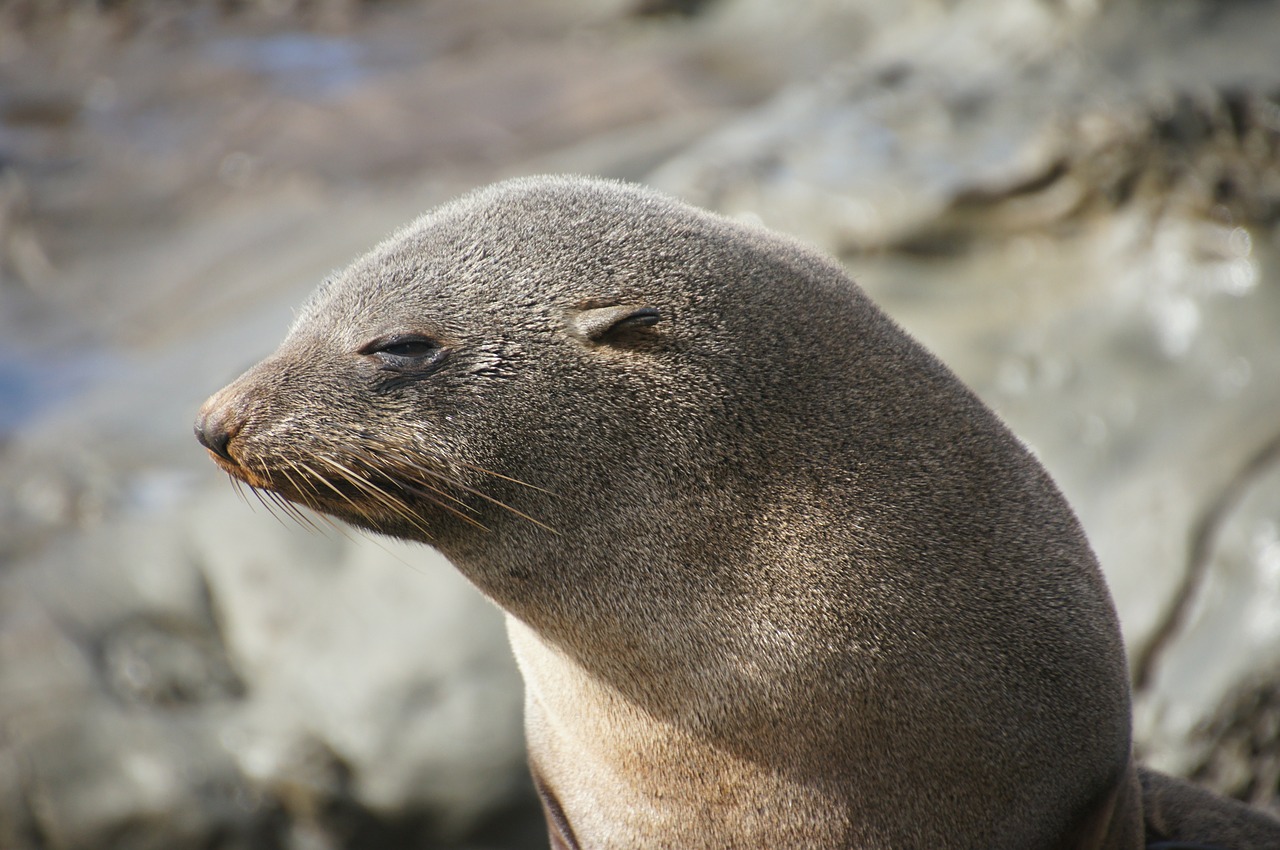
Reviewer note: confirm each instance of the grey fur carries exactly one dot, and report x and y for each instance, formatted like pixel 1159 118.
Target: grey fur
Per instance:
pixel 780 580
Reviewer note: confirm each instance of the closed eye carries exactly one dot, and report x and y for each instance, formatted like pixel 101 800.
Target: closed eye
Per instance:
pixel 409 348
pixel 405 352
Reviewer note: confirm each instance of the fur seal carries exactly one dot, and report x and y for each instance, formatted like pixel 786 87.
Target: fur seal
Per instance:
pixel 773 575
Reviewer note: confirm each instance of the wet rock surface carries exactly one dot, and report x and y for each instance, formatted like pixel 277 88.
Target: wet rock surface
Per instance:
pixel 1074 204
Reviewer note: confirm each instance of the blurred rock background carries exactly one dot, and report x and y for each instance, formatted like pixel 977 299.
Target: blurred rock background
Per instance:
pixel 1074 202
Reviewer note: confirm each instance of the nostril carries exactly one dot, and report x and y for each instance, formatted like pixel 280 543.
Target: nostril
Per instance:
pixel 213 432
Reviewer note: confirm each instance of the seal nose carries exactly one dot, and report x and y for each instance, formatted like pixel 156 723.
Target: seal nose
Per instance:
pixel 214 428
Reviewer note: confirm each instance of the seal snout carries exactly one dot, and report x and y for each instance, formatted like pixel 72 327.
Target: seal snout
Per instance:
pixel 215 425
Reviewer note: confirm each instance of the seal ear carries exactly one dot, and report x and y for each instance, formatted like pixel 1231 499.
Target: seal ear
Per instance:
pixel 599 324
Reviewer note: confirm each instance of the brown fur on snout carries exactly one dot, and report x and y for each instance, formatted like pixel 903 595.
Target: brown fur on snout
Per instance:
pixel 773 575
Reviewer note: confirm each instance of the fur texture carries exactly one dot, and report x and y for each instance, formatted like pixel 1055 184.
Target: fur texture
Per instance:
pixel 773 575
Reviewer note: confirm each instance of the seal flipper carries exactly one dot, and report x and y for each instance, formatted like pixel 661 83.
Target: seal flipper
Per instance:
pixel 1179 814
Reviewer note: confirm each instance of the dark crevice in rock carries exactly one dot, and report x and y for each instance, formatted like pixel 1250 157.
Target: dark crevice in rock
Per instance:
pixel 1204 536
pixel 1242 745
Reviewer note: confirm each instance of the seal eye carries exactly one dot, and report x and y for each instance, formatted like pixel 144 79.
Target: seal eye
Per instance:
pixel 405 352
pixel 409 349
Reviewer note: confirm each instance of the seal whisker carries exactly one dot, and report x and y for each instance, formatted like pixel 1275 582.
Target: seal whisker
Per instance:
pixel 262 497
pixel 481 469
pixel 288 505
pixel 308 475
pixel 327 483
pixel 291 510
pixel 335 525
pixel 388 500
pixel 297 514
pixel 239 486
pixel 400 506
pixel 405 458
pixel 427 492
pixel 304 483
pixel 397 506
pixel 452 482
pixel 406 465
pixel 409 470
pixel 409 465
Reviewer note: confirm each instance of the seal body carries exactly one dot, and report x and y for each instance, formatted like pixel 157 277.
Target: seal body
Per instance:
pixel 773 575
